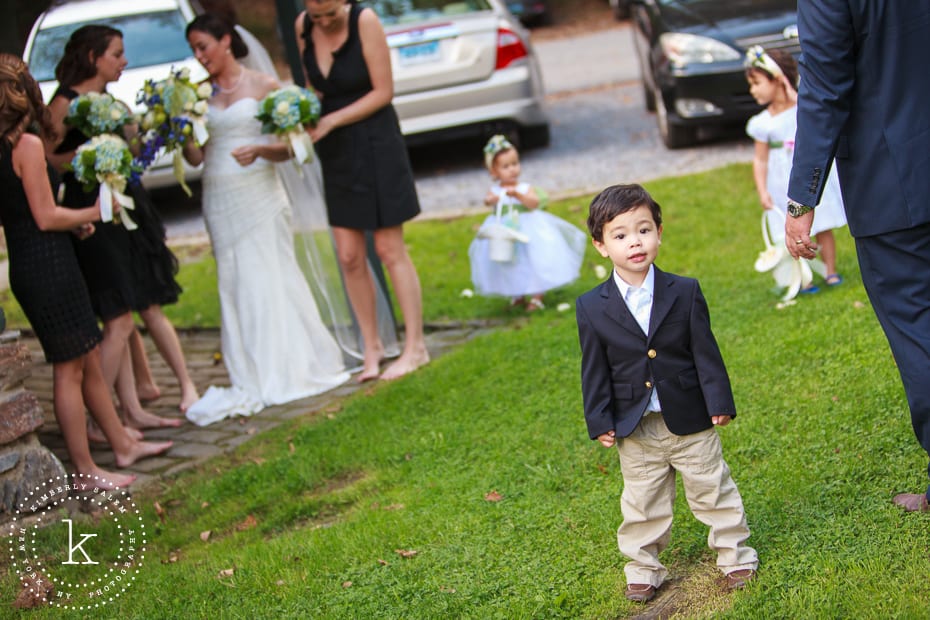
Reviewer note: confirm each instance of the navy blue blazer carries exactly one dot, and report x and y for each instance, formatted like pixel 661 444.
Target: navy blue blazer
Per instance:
pixel 865 98
pixel 679 356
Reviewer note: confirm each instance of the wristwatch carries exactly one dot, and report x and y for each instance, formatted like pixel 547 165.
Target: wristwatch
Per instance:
pixel 796 209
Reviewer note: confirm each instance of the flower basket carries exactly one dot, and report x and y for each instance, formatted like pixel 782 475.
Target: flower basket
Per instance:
pixel 502 239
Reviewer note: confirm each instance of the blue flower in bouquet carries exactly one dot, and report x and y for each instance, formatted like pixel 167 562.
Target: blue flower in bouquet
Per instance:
pixel 104 158
pixel 176 110
pixel 287 109
pixel 97 113
pixel 288 112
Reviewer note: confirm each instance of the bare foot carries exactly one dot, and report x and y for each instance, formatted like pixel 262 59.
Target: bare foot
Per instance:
pixel 148 392
pixel 371 365
pixel 95 435
pixel 109 480
pixel 140 450
pixel 405 364
pixel 189 396
pixel 144 419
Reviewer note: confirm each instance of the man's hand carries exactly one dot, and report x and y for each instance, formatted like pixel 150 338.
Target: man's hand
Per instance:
pixel 607 439
pixel 720 420
pixel 798 236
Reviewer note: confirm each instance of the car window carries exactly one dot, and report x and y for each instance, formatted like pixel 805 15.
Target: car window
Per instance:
pixel 405 11
pixel 150 39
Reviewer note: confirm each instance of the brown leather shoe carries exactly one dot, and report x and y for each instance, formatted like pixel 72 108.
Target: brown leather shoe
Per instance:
pixel 912 502
pixel 738 579
pixel 640 592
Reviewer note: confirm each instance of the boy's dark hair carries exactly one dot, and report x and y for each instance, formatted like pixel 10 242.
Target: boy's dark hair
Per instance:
pixel 618 199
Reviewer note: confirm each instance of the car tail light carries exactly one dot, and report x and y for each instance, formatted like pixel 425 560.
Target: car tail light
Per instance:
pixel 509 48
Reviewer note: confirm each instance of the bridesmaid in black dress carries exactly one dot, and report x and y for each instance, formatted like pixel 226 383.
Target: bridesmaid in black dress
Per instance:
pixel 125 270
pixel 46 281
pixel 366 171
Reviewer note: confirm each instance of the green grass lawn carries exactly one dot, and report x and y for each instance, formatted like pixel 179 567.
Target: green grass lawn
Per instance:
pixel 479 470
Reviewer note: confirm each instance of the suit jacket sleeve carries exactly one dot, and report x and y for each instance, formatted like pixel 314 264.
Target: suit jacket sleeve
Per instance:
pixel 828 71
pixel 712 373
pixel 595 376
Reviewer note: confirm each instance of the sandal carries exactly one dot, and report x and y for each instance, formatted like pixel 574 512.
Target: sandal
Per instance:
pixel 834 279
pixel 535 304
pixel 809 290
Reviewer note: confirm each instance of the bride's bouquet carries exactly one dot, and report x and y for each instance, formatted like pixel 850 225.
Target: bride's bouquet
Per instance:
pixel 176 111
pixel 97 113
pixel 286 112
pixel 106 160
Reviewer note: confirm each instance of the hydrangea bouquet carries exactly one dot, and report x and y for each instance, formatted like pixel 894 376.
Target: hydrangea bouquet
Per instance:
pixel 176 111
pixel 106 160
pixel 286 112
pixel 97 113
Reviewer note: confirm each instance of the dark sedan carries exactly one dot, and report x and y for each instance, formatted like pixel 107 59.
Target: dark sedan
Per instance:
pixel 691 58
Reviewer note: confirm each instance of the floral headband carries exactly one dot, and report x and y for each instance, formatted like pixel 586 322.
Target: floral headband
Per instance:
pixel 497 144
pixel 756 58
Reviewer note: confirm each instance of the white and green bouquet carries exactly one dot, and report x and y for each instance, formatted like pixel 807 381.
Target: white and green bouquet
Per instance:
pixel 107 162
pixel 97 113
pixel 176 112
pixel 287 112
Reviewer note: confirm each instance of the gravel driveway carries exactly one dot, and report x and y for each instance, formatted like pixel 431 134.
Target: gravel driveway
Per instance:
pixel 601 132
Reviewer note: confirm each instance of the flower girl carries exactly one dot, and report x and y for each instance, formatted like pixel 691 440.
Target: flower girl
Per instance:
pixel 540 250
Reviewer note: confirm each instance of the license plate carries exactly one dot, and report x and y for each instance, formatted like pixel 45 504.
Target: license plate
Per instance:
pixel 419 53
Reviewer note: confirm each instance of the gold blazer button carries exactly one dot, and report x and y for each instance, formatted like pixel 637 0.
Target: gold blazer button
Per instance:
pixel 651 353
pixel 649 384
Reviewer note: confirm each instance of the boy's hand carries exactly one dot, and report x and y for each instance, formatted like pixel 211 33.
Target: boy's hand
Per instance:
pixel 720 420
pixel 607 439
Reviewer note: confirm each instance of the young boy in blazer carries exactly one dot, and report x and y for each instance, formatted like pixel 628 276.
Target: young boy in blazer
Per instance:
pixel 655 385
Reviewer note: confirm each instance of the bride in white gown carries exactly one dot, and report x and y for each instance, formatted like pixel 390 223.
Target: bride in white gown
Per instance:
pixel 276 345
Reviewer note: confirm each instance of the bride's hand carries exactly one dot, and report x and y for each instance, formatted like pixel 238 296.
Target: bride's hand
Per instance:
pixel 245 155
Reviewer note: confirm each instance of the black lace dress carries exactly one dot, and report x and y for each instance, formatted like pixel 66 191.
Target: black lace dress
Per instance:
pixel 44 274
pixel 125 270
pixel 366 170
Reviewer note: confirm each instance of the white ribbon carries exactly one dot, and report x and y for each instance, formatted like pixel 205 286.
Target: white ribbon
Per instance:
pixel 201 135
pixel 108 194
pixel 301 145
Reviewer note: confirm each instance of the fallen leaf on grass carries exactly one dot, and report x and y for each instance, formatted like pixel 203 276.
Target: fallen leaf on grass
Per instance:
pixel 160 512
pixel 279 582
pixel 493 496
pixel 602 468
pixel 290 447
pixel 346 584
pixel 383 562
pixel 447 589
pixel 394 507
pixel 173 557
pixel 333 409
pixel 226 572
pixel 36 591
pixel 405 553
pixel 204 505
pixel 858 304
pixel 249 522
pixel 205 535
pixel 258 460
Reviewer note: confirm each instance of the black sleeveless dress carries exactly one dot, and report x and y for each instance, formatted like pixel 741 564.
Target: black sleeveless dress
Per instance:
pixel 366 170
pixel 44 273
pixel 124 270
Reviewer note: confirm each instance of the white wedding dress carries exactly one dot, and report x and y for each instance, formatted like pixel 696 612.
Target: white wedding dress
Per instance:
pixel 275 344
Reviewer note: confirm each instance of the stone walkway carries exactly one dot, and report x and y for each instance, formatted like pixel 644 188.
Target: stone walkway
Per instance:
pixel 193 444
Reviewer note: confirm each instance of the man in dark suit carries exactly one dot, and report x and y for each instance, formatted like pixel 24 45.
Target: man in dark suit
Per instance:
pixel 654 384
pixel 865 98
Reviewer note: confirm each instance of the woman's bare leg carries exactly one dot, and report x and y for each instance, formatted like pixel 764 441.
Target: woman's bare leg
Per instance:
pixel 389 243
pixel 353 260
pixel 97 398
pixel 67 378
pixel 116 332
pixel 166 339
pixel 134 414
pixel 141 370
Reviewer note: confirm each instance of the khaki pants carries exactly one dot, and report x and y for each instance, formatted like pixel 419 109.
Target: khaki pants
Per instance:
pixel 649 458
